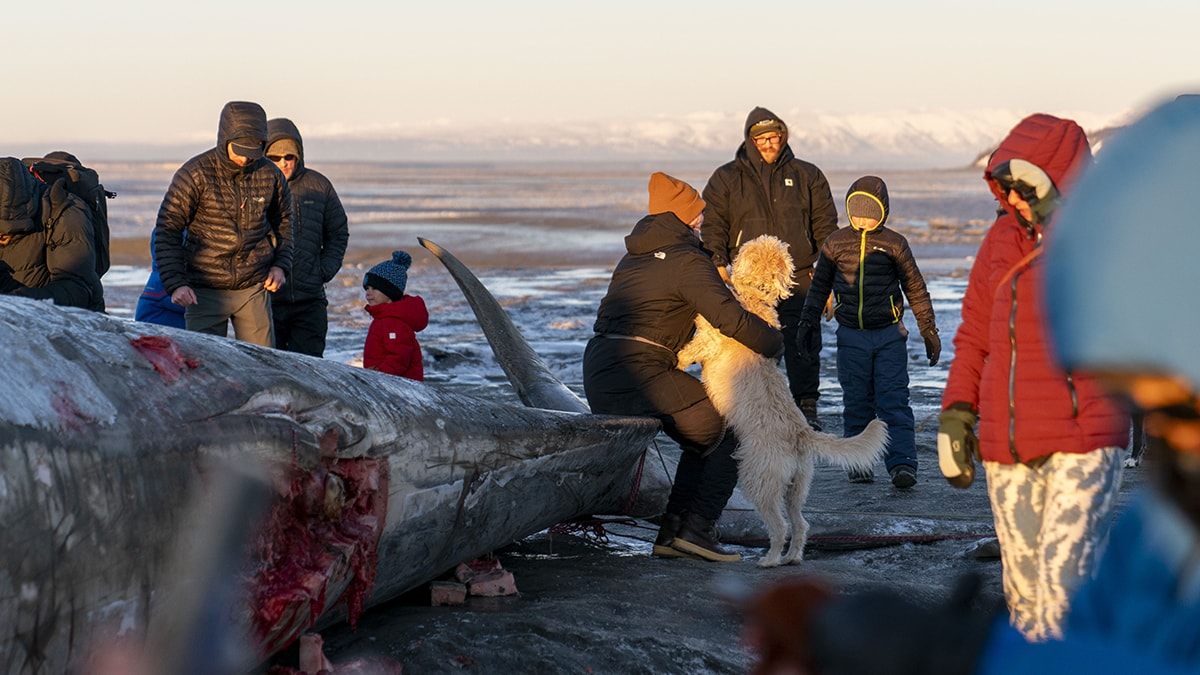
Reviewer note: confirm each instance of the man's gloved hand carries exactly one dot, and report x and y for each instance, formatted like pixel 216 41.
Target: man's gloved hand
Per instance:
pixel 933 345
pixel 808 338
pixel 7 283
pixel 958 447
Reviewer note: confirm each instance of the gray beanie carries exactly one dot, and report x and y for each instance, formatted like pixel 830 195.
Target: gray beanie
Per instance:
pixel 390 276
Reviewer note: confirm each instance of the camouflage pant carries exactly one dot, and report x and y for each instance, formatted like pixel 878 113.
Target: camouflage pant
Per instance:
pixel 1051 521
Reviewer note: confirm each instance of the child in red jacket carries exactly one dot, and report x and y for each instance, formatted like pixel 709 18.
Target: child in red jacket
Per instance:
pixel 392 338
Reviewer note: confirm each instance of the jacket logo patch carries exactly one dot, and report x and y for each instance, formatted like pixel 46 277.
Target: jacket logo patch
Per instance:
pixel 391 336
pixel 788 182
pixel 660 255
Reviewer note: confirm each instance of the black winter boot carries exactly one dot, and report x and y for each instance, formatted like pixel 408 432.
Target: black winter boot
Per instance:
pixel 668 528
pixel 698 536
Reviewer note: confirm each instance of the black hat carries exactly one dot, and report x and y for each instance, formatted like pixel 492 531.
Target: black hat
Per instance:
pixel 766 127
pixel 251 148
pixel 390 276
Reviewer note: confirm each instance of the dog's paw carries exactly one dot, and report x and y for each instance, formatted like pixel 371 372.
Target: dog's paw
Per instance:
pixel 769 561
pixel 793 559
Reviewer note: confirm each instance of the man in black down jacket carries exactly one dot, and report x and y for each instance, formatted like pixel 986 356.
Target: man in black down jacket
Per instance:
pixel 236 211
pixel 46 246
pixel 767 190
pixel 299 308
pixel 629 367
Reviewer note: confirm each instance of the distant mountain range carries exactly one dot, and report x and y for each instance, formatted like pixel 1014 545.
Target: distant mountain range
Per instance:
pixel 897 139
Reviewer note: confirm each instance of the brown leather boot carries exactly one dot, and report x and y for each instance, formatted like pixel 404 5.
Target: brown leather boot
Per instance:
pixel 698 536
pixel 667 529
pixel 808 406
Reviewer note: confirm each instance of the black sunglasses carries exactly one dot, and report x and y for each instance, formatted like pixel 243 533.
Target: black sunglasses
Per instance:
pixel 280 158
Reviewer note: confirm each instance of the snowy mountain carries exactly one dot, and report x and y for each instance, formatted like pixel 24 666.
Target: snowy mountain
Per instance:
pixel 895 139
pixel 914 139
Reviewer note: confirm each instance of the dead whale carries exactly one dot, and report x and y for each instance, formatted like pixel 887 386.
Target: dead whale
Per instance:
pixel 111 431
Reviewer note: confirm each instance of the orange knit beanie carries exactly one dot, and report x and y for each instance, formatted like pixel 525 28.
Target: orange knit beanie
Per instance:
pixel 674 195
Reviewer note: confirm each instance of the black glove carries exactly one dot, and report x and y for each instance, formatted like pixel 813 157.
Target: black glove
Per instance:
pixel 808 338
pixel 7 283
pixel 933 345
pixel 958 446
pixel 883 633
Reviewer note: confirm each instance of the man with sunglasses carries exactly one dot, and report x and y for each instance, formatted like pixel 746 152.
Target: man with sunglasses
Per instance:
pixel 766 189
pixel 299 309
pixel 1050 439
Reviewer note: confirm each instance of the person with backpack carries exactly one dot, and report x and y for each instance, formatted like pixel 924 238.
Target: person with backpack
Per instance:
pixel 237 211
pixel 298 310
pixel 47 242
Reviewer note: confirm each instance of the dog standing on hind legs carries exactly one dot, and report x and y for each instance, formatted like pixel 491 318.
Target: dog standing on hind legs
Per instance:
pixel 778 449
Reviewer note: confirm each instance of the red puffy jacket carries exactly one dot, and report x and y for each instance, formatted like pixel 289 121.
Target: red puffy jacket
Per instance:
pixel 391 345
pixel 1028 406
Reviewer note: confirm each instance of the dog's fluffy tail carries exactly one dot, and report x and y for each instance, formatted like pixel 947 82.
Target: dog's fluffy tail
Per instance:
pixel 857 453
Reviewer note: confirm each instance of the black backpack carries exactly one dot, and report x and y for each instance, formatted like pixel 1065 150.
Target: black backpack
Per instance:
pixel 85 184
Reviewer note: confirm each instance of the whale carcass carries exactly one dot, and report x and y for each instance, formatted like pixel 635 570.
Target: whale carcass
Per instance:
pixel 112 432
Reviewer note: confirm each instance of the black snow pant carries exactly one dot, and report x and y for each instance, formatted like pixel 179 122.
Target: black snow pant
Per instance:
pixel 301 326
pixel 803 373
pixel 627 377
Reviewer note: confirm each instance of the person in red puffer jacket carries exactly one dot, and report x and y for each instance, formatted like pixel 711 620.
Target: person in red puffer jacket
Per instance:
pixel 1050 440
pixel 392 345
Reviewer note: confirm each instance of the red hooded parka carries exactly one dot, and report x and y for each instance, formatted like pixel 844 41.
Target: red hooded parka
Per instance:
pixel 1028 406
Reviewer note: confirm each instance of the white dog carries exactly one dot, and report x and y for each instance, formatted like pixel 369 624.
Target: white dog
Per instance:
pixel 776 445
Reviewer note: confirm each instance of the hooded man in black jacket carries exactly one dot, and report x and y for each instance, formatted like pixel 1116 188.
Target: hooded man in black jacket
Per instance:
pixel 299 309
pixel 235 209
pixel 767 190
pixel 630 366
pixel 46 247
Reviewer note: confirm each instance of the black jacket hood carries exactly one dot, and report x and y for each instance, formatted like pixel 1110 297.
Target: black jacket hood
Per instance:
pixel 280 128
pixel 20 198
pixel 658 231
pixel 241 119
pixel 757 115
pixel 874 192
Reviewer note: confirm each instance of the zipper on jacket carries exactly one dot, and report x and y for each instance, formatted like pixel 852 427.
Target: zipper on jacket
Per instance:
pixel 1012 373
pixel 1012 348
pixel 1074 395
pixel 862 268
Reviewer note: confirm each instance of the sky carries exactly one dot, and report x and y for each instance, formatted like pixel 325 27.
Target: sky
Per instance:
pixel 153 72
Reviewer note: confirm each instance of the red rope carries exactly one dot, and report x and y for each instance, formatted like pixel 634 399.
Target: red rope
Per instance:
pixel 632 499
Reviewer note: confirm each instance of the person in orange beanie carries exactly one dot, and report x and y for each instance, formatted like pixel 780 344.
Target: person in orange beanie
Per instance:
pixel 665 280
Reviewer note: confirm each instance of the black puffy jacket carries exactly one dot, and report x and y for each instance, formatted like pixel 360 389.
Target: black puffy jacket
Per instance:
pixel 664 281
pixel 50 254
pixel 800 210
pixel 320 233
pixel 866 271
pixel 238 219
